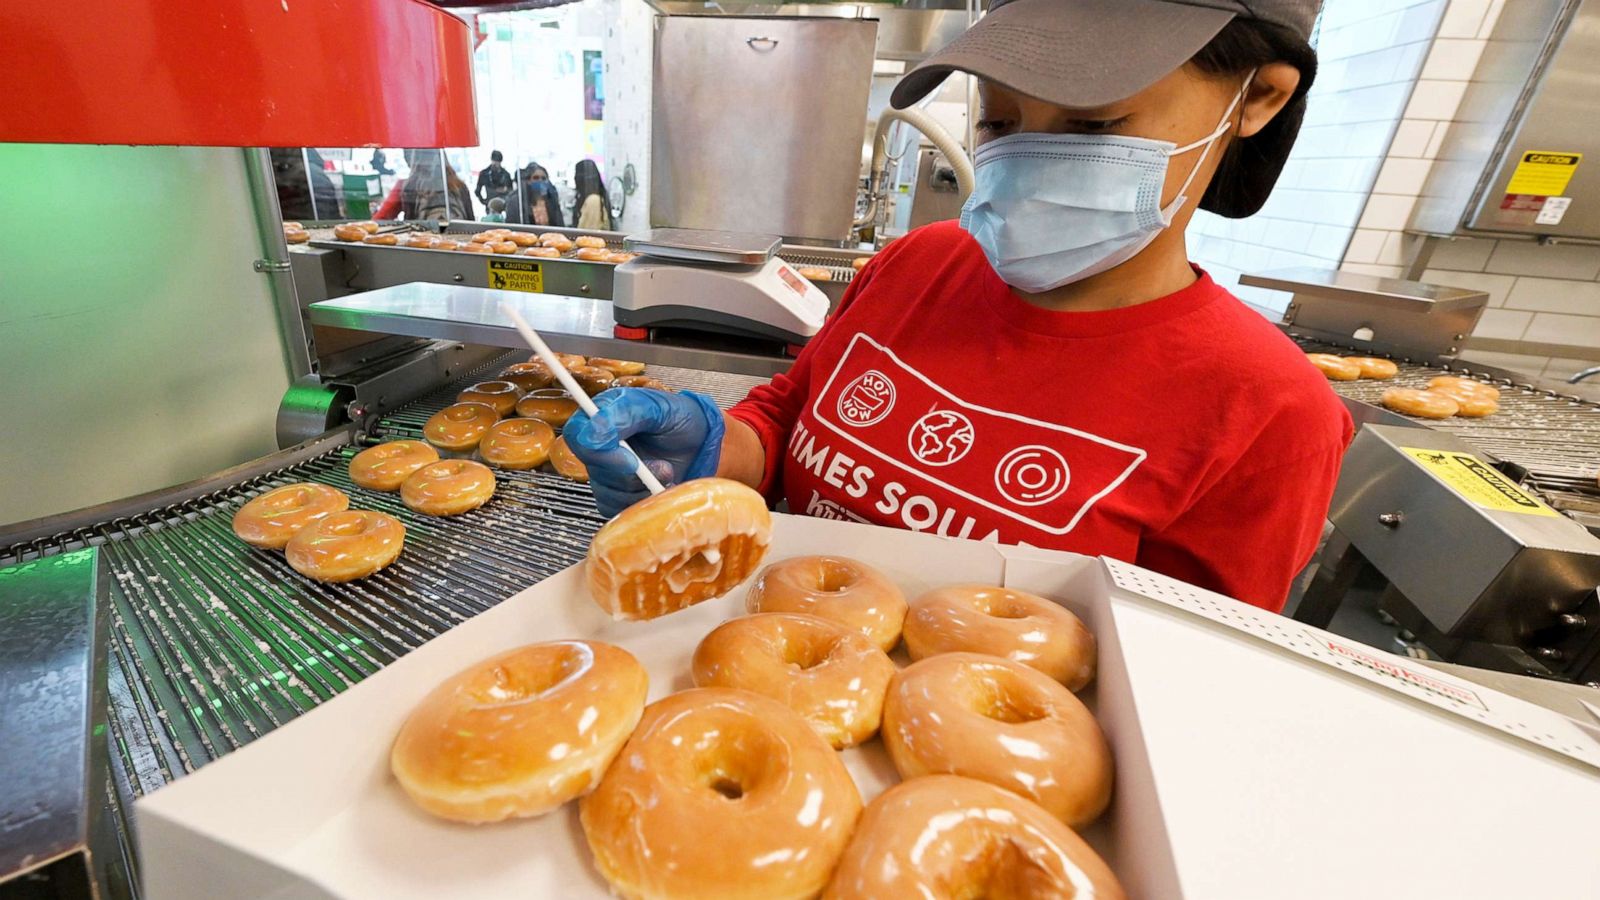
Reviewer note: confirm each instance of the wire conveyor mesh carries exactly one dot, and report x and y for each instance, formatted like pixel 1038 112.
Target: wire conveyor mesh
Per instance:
pixel 214 643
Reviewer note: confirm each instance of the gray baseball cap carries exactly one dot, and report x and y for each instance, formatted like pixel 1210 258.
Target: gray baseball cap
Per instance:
pixel 1086 53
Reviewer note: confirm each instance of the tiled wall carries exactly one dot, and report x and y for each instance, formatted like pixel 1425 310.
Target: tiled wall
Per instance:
pixel 629 60
pixel 1371 52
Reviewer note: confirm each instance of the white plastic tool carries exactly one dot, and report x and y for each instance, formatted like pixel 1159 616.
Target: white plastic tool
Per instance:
pixel 562 375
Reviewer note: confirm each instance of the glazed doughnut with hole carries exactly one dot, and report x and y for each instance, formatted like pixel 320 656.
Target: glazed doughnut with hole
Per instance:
pixel 617 367
pixel 475 247
pixel 833 676
pixel 1019 626
pixel 296 237
pixel 692 542
pixel 1472 404
pixel 721 794
pixel 592 379
pixel 528 376
pixel 521 732
pixel 517 444
pixel 346 545
pixel 501 395
pixel 369 226
pixel 815 273
pixel 566 463
pixel 946 836
pixel 569 360
pixel 350 233
pixel 543 252
pixel 446 244
pixel 999 721
pixel 270 520
pixel 841 590
pixel 559 241
pixel 640 381
pixel 1464 384
pixel 384 240
pixel 1373 367
pixel 503 246
pixel 421 242
pixel 619 257
pixel 1336 368
pixel 460 426
pixel 448 487
pixel 1422 404
pixel 384 467
pixel 552 405
pixel 482 237
pixel 592 254
pixel 523 239
pixel 590 242
pixel 553 237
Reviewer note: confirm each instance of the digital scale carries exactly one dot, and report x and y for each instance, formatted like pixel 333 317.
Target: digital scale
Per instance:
pixel 720 281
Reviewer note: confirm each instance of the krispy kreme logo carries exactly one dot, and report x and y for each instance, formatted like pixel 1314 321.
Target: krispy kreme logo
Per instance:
pixel 1400 673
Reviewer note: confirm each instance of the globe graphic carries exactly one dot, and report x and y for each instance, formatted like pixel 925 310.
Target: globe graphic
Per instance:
pixel 941 437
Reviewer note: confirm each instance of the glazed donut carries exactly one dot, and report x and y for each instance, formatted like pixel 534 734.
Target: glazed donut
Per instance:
pixel 517 444
pixel 1422 404
pixel 1335 367
pixel 384 467
pixel 591 254
pixel 349 232
pixel 446 244
pixel 559 243
pixel 459 427
pixel 478 247
pixel 553 237
pixel 523 239
pixel 384 240
pixel 528 376
pixel 570 360
pixel 346 545
pixel 1376 368
pixel 369 226
pixel 543 252
pixel 815 273
pixel 1473 404
pixel 834 677
pixel 999 721
pixel 860 262
pixel 619 257
pixel 501 396
pixel 590 242
pixel 520 733
pixel 271 519
pixel 721 793
pixel 499 234
pixel 448 487
pixel 640 381
pixel 551 405
pixel 296 237
pixel 617 367
pixel 838 589
pixel 1000 621
pixel 566 463
pixel 503 247
pixel 1466 384
pixel 421 242
pixel 592 379
pixel 692 542
pixel 947 836
pixel 294 226
pixel 482 237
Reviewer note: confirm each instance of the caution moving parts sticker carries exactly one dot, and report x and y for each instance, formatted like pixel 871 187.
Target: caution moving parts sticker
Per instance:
pixel 1477 481
pixel 1536 193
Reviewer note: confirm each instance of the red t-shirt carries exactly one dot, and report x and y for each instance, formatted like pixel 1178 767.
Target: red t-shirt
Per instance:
pixel 1186 434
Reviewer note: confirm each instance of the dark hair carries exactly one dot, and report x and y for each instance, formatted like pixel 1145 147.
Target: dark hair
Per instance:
pixel 586 180
pixel 1251 165
pixel 494 156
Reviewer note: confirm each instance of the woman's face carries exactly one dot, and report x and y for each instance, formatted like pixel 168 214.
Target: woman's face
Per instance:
pixel 538 175
pixel 1183 107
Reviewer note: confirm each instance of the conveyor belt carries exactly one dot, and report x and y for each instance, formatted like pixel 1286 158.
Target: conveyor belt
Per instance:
pixel 215 643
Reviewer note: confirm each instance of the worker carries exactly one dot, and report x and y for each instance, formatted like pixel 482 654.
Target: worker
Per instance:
pixel 1053 370
pixel 592 207
pixel 494 181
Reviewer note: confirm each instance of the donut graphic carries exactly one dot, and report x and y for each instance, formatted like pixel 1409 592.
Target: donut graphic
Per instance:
pixel 1032 475
pixel 867 400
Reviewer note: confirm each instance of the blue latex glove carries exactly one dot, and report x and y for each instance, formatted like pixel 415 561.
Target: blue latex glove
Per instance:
pixel 679 436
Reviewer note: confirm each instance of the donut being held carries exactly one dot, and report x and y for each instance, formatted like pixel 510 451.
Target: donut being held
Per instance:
pixel 551 405
pixel 1336 368
pixel 459 427
pixel 270 520
pixel 1019 626
pixel 566 463
pixel 999 721
pixel 1374 367
pixel 520 733
pixel 617 367
pixel 346 545
pixel 721 794
pixel 384 467
pixel 1422 404
pixel 448 487
pixel 592 379
pixel 501 395
pixel 832 676
pixel 840 590
pixel 517 444
pixel 692 542
pixel 946 836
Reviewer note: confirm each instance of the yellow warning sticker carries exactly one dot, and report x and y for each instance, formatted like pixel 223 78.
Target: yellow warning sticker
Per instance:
pixel 516 275
pixel 1543 173
pixel 1479 482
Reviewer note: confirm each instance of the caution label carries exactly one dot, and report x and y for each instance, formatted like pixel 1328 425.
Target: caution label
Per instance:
pixel 1543 173
pixel 516 275
pixel 1479 482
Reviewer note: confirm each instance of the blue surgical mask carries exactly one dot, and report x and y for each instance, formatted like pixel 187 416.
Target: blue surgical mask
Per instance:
pixel 1052 209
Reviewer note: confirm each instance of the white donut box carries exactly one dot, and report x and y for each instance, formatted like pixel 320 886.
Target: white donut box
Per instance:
pixel 1256 757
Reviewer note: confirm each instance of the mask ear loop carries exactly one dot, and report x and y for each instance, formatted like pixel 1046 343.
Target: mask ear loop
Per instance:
pixel 1208 142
